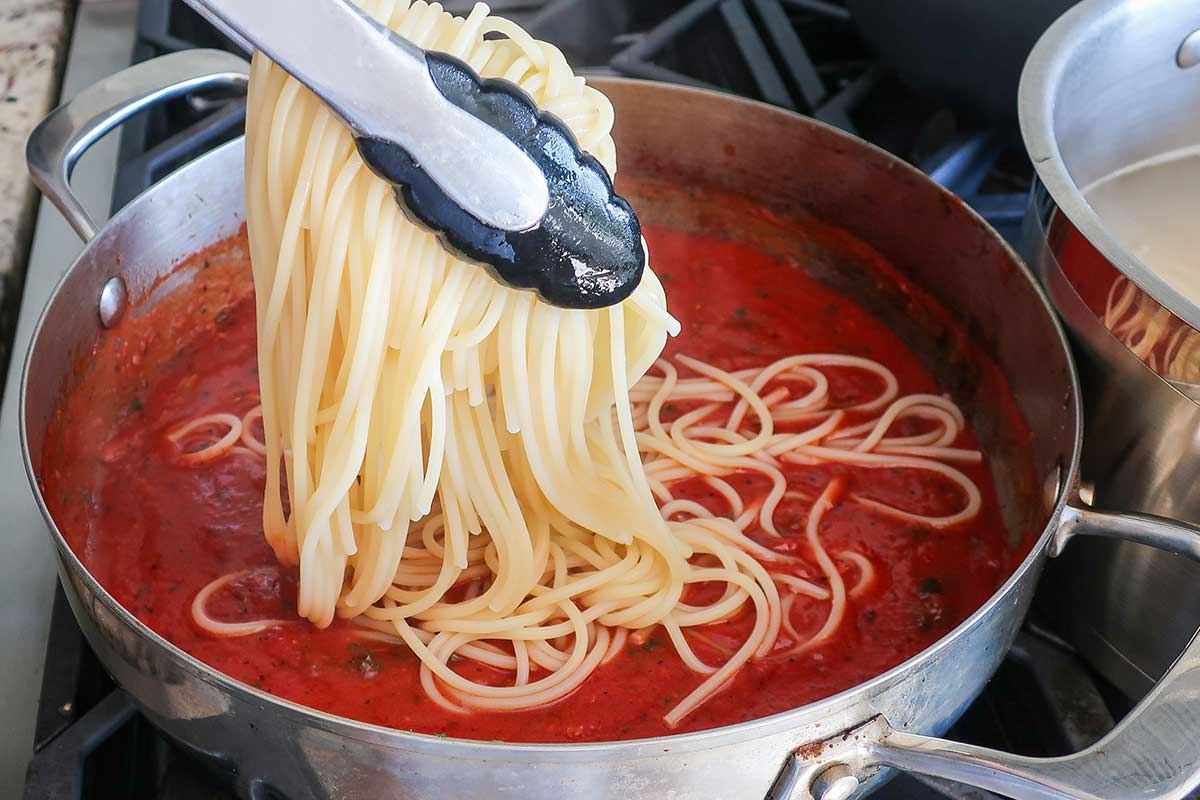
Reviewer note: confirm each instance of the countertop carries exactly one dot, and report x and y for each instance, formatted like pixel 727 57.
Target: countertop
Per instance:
pixel 33 35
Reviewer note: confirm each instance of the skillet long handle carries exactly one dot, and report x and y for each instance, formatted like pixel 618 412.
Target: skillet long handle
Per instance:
pixel 66 133
pixel 1153 754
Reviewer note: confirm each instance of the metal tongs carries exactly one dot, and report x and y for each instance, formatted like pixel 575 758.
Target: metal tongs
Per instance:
pixel 503 184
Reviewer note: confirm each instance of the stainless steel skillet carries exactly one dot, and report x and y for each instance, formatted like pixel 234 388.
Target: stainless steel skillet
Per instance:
pixel 796 168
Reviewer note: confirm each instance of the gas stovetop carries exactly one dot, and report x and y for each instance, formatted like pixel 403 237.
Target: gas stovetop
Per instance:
pixel 803 55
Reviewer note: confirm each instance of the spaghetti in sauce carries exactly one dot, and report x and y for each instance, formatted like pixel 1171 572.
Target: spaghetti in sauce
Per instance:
pixel 158 529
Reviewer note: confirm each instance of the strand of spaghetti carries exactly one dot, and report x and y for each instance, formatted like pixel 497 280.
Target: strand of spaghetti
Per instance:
pixel 787 443
pixel 837 586
pixel 755 580
pixel 715 682
pixel 203 619
pixel 818 393
pixel 711 642
pixel 866 572
pixel 247 436
pixel 616 646
pixel 736 505
pixel 210 451
pixel 480 652
pixel 883 461
pixel 748 395
pixel 716 462
pixel 800 586
pixel 583 659
pixel 938 453
pixel 931 406
pixel 732 534
pixel 688 656
pixel 684 507
pixel 789 628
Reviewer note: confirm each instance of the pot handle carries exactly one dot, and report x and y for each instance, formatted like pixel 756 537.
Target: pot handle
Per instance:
pixel 1153 754
pixel 66 133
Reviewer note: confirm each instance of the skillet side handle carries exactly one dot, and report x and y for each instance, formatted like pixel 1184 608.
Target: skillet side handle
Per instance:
pixel 66 133
pixel 1154 754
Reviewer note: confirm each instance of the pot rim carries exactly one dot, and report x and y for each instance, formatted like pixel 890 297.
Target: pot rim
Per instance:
pixel 1036 99
pixel 632 748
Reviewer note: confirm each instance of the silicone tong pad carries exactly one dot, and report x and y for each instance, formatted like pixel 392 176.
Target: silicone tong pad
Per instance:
pixel 586 253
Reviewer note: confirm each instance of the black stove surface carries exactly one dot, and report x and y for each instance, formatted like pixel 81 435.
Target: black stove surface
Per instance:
pixel 802 55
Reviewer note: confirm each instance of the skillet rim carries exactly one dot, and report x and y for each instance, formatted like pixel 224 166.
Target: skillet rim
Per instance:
pixel 632 748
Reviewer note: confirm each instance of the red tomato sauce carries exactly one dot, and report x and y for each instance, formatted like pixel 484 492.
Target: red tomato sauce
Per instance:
pixel 154 531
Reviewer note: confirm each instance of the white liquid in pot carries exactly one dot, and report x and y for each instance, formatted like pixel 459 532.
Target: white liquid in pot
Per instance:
pixel 1153 208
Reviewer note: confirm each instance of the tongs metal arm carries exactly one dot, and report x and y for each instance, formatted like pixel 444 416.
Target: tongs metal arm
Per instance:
pixel 379 84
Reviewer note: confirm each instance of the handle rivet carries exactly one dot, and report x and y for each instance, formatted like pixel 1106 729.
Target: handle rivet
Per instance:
pixel 1189 52
pixel 113 300
pixel 834 783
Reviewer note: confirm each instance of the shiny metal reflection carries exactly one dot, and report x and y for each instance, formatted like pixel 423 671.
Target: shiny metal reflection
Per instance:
pixel 113 300
pixel 1188 54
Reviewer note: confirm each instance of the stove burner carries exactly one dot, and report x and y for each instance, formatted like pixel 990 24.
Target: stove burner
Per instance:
pixel 803 55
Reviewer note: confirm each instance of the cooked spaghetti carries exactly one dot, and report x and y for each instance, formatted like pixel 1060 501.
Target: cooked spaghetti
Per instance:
pixel 747 421
pixel 475 474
